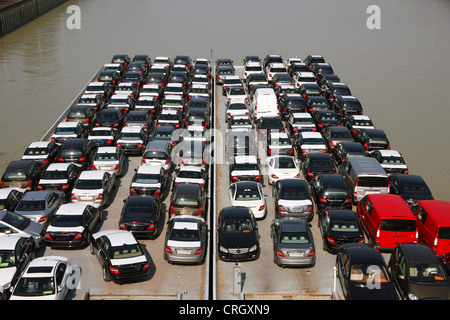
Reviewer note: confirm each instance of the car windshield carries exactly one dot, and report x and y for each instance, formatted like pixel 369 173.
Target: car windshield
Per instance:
pixel 35 152
pixel 378 140
pixel 100 133
pixel 66 221
pixel 162 134
pixel 186 202
pixel 106 157
pixel 88 100
pixel 14 220
pixel 31 205
pixel 89 184
pixel 34 287
pixel 344 226
pixel 76 115
pixel 240 122
pixel 190 174
pixel 284 163
pixel 65 130
pixel 380 182
pixel 330 118
pixel 7 258
pixel 147 178
pixel 294 194
pixel 237 226
pixel 184 235
pixel 392 160
pixel 426 272
pixel 416 189
pixel 368 273
pixel 294 237
pixel 130 136
pixel 237 106
pixel 248 195
pixel 303 121
pixel 125 251
pixel 155 155
pixel 119 101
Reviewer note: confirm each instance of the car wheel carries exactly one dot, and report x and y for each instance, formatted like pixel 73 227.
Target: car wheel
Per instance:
pixel 105 274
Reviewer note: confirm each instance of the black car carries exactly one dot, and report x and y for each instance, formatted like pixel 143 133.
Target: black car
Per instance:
pixel 338 227
pixel 315 103
pixel 321 68
pixel 272 58
pixel 196 116
pixel 291 103
pixel 344 150
pixel 72 226
pixel 238 235
pixel 332 135
pixel 418 273
pixel 357 122
pixel 83 113
pixel 293 199
pixel 297 67
pixel 16 252
pixel 139 118
pixel 308 89
pixel 140 215
pixel 134 77
pixel 334 89
pixel 111 118
pixel 121 257
pixel 110 76
pixel 313 58
pixel 121 59
pixel 138 67
pixel 330 191
pixel 45 152
pixel 22 174
pixel 347 105
pixel 157 78
pixel 179 77
pixel 144 58
pixel 373 139
pixel 281 79
pixel 324 80
pixel 255 79
pixel 410 187
pixel 266 125
pixel 325 118
pixel 317 163
pixel 363 273
pixel 166 133
pixel 60 176
pixel 77 151
pixel 183 59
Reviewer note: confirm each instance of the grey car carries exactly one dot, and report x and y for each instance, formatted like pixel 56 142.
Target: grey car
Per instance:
pixel 293 243
pixel 40 206
pixel 11 222
pixel 185 241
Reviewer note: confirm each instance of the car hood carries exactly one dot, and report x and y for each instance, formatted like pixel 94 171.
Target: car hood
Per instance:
pixel 430 291
pixel 237 240
pixel 360 291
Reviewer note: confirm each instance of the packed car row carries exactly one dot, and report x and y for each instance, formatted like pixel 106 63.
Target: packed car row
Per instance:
pixel 298 121
pixel 55 194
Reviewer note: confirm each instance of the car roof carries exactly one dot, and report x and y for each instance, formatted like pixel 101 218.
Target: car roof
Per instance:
pixel 389 153
pixel 375 132
pixel 131 129
pixel 392 206
pixel 39 144
pixel 311 134
pixel 278 135
pixel 140 200
pixel 440 207
pixel 246 185
pixel 292 183
pixel 416 253
pixel 107 149
pixel 293 224
pixel 341 214
pixel 302 115
pixel 236 213
pixel 35 269
pixel 117 237
pixel 72 208
pixel 37 195
pixel 363 254
pixel 187 189
pixel 19 164
pixel 190 168
pixel 149 169
pixel 69 124
pixel 75 142
pixel 92 174
pixel 332 180
pixel 245 159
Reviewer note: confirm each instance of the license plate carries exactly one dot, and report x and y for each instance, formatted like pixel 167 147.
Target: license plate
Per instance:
pixel 86 198
pixel 183 251
pixel 295 254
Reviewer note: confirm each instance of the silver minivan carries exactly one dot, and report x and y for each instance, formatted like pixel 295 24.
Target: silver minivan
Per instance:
pixel 364 176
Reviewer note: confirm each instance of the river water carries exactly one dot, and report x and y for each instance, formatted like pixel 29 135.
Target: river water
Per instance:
pixel 400 72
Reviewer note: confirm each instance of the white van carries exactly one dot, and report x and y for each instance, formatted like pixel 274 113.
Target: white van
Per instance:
pixel 265 103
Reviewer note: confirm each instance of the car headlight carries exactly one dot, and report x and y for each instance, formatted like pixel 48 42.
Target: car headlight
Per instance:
pixel 254 248
pixel 223 249
pixel 412 297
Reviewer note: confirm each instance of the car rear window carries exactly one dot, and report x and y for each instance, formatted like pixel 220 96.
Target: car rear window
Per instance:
pixel 294 237
pixel 184 235
pixel 444 233
pixel 380 182
pixel 403 225
pixel 155 155
pixel 14 176
pixel 186 202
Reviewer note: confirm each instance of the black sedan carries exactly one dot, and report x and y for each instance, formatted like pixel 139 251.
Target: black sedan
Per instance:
pixel 140 215
pixel 410 187
pixel 338 227
pixel 317 163
pixel 343 150
pixel 330 191
pixel 363 273
pixel 418 273
pixel 238 235
pixel 121 257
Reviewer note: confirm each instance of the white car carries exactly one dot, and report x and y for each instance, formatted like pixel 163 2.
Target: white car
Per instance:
pixel 13 223
pixel 309 142
pixel 249 194
pixel 41 151
pixel 357 122
pixel 200 79
pixel 174 102
pixel 199 90
pixel 60 176
pixel 109 159
pixel 303 77
pixel 279 143
pixel 230 81
pixel 149 180
pixel 97 87
pixel 252 67
pixel 237 93
pixel 132 140
pixel 300 122
pixel 391 161
pixel 146 103
pixel 245 168
pixel 45 278
pixel 126 88
pixel 169 117
pixel 273 69
pixel 103 136
pixel 190 174
pixel 236 107
pixel 150 90
pixel 282 167
pixel 68 130
pixel 174 88
pixel 196 133
pixel 290 61
pixel 165 61
pixel 121 101
pixel 240 122
pixel 93 187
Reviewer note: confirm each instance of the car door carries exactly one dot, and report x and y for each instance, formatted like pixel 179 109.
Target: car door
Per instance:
pixel 399 271
pixel 61 279
pixel 24 254
pixel 343 268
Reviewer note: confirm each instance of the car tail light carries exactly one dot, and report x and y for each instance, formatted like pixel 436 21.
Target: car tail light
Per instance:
pixel 40 187
pixel 82 159
pixel 310 208
pixel 145 267
pixel 117 167
pixel 78 236
pixel 281 208
pixel 311 253
pixel 172 209
pixel 114 270
pixel 269 151
pixel 280 253
pixel 331 240
pixel 297 176
pixel 29 182
pixel 122 226
pixel 200 210
pixel 323 200
pixel 274 176
pixel 42 219
pixel 100 197
pixel 65 187
pixel 73 197
pixel 199 251
pixel 406 171
pixel 310 174
pixel 304 151
pixel 361 240
pixel 234 178
pixel 47 236
pixel 168 250
pixel 93 167
pixel 143 160
pixel 257 177
pixel 2 184
pixel 261 208
pixel 366 146
pixel 132 190
pixel 151 226
pixel 348 200
pixel 167 160
pixel 291 151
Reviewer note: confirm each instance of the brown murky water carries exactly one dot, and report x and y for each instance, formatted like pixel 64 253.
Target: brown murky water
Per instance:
pixel 400 72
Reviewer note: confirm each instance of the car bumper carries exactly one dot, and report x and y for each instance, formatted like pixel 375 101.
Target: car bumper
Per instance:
pixel 235 257
pixel 73 244
pixel 128 277
pixel 295 262
pixel 188 259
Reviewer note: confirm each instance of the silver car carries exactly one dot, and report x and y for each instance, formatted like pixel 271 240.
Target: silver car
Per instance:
pixel 293 243
pixel 11 222
pixel 40 206
pixel 185 241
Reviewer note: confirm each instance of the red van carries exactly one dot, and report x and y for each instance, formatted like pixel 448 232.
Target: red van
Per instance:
pixel 387 220
pixel 433 222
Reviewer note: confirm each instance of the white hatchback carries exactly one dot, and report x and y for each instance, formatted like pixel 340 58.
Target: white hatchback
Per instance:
pixel 282 167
